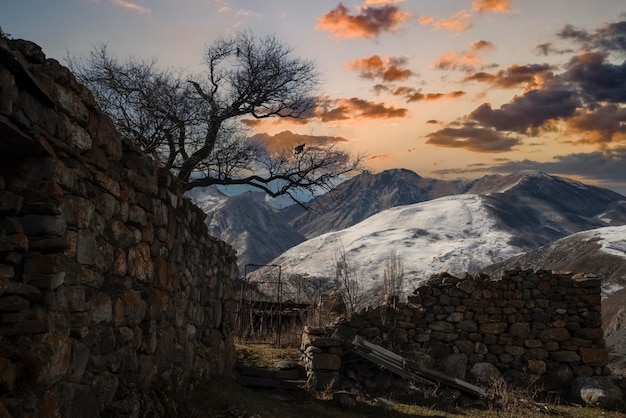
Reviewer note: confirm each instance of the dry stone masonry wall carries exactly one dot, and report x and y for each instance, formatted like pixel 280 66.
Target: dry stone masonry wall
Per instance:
pixel 111 291
pixel 528 326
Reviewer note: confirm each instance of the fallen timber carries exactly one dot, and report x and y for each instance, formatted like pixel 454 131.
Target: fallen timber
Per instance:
pixel 405 368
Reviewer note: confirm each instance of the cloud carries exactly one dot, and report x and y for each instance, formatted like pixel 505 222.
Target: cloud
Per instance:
pixel 370 21
pixel 501 6
pixel 387 69
pixel 528 112
pixel 513 76
pixel 131 6
pixel 288 140
pixel 414 95
pixel 473 139
pixel 600 125
pixel 343 109
pixel 466 61
pixel 460 22
pixel 598 79
pixel 547 48
pixel 482 45
pixel 610 37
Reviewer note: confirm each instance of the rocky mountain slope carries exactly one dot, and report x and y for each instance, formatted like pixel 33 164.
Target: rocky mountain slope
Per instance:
pixel 248 223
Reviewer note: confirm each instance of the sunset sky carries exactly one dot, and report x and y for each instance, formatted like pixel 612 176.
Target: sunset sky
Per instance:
pixel 446 88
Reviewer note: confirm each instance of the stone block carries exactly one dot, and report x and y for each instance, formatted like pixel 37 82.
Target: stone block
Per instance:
pixel 10 203
pixel 485 373
pixel 554 334
pixel 493 328
pixel 597 391
pixel 43 225
pixel 593 356
pixel 325 361
pixel 565 356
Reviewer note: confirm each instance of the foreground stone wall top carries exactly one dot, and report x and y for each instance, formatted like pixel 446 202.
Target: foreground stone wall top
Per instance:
pixel 109 282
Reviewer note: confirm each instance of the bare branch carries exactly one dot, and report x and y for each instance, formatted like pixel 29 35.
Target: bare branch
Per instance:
pixel 192 124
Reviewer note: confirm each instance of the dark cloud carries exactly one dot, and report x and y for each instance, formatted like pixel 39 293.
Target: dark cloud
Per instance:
pixel 610 38
pixel 600 125
pixel 548 48
pixel 288 140
pixel 607 168
pixel 414 95
pixel 598 79
pixel 528 112
pixel 514 76
pixel 389 69
pixel 473 139
pixel 342 109
pixel 368 23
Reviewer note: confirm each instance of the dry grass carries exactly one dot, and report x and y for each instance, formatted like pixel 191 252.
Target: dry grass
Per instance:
pixel 225 398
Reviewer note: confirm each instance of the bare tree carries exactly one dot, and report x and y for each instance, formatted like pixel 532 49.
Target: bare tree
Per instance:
pixel 393 275
pixel 347 279
pixel 193 123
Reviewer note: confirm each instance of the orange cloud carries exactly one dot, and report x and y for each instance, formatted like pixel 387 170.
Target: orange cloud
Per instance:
pixel 131 6
pixel 368 23
pixel 501 6
pixel 530 75
pixel 600 126
pixel 458 23
pixel 426 20
pixel 482 46
pixel 463 61
pixel 389 69
pixel 342 109
pixel 289 140
pixel 473 139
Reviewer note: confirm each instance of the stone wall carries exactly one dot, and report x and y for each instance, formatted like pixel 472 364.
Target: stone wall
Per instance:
pixel 534 326
pixel 111 291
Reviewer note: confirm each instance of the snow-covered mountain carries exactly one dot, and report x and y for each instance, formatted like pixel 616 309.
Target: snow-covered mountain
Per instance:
pixel 534 208
pixel 460 233
pixel 248 223
pixel 453 234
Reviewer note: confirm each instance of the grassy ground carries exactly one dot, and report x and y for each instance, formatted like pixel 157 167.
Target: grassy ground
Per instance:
pixel 226 398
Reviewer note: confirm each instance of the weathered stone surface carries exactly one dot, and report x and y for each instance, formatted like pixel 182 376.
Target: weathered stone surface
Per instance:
pixel 325 362
pixel 593 356
pixel 598 391
pixel 485 372
pixel 10 203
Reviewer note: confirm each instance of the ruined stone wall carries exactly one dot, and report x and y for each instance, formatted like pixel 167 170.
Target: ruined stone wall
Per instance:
pixel 526 326
pixel 111 291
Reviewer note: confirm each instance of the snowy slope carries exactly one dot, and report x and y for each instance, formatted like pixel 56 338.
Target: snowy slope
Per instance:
pixel 452 234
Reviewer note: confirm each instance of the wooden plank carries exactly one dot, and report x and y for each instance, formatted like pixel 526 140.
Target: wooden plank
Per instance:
pixel 406 368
